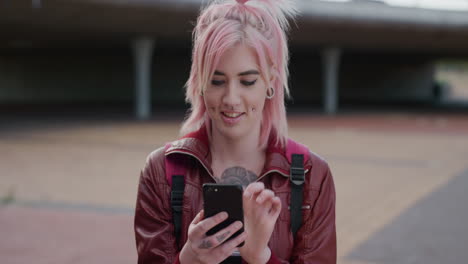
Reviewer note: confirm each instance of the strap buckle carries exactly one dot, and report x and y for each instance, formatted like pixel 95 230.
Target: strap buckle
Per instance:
pixel 177 198
pixel 297 175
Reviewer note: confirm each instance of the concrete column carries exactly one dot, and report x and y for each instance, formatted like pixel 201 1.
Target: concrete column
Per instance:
pixel 36 3
pixel 142 53
pixel 330 62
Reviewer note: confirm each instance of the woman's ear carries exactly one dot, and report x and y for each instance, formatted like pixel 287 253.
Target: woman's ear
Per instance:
pixel 272 74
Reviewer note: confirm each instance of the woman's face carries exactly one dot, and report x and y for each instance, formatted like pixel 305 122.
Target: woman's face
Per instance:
pixel 236 94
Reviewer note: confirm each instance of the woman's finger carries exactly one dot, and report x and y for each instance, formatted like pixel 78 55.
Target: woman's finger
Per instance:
pixel 206 224
pixel 275 207
pixel 198 218
pixel 226 249
pixel 265 195
pixel 232 244
pixel 253 189
pixel 227 232
pixel 217 239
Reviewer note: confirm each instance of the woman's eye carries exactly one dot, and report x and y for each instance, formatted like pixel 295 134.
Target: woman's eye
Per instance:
pixel 247 83
pixel 217 82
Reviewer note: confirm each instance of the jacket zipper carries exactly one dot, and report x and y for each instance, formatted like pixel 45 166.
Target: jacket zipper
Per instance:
pixel 280 172
pixel 190 154
pixel 208 171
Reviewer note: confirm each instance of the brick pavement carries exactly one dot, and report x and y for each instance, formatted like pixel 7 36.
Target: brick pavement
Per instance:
pixel 71 186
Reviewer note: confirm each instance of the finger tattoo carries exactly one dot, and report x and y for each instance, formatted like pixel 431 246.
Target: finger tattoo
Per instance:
pixel 223 236
pixel 205 244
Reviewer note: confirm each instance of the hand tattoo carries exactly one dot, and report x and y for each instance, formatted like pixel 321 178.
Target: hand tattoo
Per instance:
pixel 238 175
pixel 205 244
pixel 221 237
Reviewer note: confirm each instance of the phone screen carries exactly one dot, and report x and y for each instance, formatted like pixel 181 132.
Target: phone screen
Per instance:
pixel 223 197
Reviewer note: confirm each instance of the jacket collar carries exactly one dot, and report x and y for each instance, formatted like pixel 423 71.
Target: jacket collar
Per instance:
pixel 196 144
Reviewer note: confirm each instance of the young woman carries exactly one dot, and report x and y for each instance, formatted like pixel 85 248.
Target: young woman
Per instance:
pixel 237 131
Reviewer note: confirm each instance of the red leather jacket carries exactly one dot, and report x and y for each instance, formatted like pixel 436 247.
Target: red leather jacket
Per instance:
pixel 315 241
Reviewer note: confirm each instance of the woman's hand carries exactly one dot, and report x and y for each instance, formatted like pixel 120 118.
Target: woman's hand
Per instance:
pixel 261 210
pixel 200 248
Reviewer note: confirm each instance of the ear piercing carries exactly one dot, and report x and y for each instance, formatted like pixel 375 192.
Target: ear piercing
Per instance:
pixel 270 93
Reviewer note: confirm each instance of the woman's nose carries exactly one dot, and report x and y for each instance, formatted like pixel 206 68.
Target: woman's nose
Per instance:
pixel 231 95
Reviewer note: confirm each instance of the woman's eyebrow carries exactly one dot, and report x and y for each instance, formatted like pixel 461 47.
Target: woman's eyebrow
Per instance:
pixel 240 74
pixel 249 72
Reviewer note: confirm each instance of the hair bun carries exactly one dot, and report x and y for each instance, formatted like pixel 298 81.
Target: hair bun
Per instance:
pixel 242 1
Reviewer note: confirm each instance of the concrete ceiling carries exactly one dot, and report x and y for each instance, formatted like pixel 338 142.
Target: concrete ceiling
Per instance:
pixel 359 25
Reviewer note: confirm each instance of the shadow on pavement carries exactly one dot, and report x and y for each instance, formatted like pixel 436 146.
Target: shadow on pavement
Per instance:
pixel 434 230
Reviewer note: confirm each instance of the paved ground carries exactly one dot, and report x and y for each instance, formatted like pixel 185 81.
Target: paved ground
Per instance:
pixel 68 188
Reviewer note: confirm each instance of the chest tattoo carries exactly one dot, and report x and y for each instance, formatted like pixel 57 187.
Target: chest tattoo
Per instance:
pixel 238 175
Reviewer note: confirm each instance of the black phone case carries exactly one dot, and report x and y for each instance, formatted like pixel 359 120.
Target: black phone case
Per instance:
pixel 223 197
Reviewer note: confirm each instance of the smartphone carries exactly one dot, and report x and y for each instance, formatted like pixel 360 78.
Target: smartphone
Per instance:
pixel 223 198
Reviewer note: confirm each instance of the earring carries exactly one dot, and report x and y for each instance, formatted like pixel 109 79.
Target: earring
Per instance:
pixel 271 94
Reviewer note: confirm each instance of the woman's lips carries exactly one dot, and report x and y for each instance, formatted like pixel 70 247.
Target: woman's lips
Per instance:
pixel 231 118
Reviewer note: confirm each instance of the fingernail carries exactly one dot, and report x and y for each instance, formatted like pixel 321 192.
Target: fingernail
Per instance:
pixel 223 215
pixel 247 194
pixel 238 224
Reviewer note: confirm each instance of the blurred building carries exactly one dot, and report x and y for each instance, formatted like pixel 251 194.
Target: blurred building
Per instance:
pixel 137 52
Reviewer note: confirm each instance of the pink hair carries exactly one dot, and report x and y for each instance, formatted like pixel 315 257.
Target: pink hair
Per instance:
pixel 262 25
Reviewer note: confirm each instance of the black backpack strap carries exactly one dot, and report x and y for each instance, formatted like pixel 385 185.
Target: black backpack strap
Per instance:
pixel 177 198
pixel 297 178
